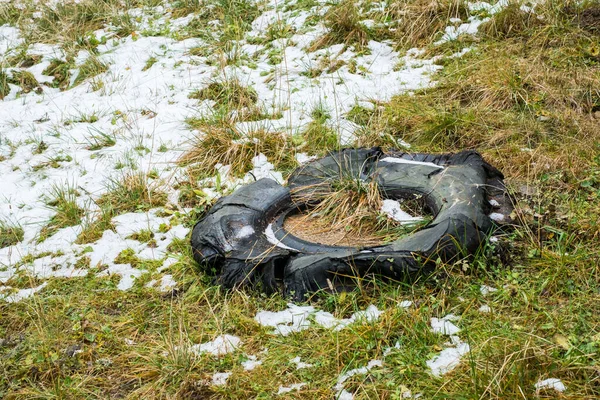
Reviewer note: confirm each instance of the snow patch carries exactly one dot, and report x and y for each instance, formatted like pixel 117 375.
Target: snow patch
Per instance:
pixel 551 383
pixel 497 217
pixel 297 318
pixel 485 309
pixel 447 360
pixel 485 290
pixel 300 364
pixel 287 389
pixel 339 387
pixel 393 210
pixel 244 232
pixel 20 294
pixel 251 363
pixel 220 346
pixel 270 235
pixel 443 326
pixel 220 378
pixel 397 160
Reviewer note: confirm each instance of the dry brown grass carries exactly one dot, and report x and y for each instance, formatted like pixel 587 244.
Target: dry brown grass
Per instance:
pixel 346 212
pixel 222 143
pixel 421 20
pixel 524 95
pixel 344 23
pixel 349 205
pixel 134 191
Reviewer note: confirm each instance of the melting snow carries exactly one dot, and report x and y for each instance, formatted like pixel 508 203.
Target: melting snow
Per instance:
pixel 497 217
pixel 485 309
pixel 393 210
pixel 447 360
pixel 339 387
pixel 300 364
pixel 20 294
pixel 220 346
pixel 485 290
pixel 287 389
pixel 244 232
pixel 220 378
pixel 296 318
pixel 251 363
pixel 270 235
pixel 444 326
pixel 450 357
pixel 551 383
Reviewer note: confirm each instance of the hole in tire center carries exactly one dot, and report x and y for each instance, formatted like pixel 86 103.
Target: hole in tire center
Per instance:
pixel 340 225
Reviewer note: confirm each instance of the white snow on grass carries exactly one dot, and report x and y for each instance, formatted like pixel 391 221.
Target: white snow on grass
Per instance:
pixel 449 358
pixel 485 290
pixel 342 393
pixel 300 364
pixel 220 378
pixel 131 118
pixel 444 326
pixel 220 346
pixel 485 309
pixel 251 363
pixel 287 389
pixel 393 209
pixel 551 383
pixel 297 318
pixel 19 294
pixel 405 304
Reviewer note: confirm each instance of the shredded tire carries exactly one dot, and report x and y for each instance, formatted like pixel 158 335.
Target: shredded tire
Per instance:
pixel 243 242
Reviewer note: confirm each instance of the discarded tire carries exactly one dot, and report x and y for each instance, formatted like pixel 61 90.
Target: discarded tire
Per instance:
pixel 243 241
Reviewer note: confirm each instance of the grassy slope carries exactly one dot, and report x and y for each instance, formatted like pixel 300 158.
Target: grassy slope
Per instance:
pixel 527 97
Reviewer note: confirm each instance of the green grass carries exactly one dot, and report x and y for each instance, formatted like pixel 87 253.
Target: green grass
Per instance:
pixel 89 69
pixel 10 234
pixel 94 226
pixel 59 70
pixel 526 96
pixel 134 191
pixel 63 201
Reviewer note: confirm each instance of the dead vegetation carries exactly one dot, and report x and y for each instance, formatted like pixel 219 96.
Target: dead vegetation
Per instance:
pixel 220 142
pixel 345 27
pixel 420 21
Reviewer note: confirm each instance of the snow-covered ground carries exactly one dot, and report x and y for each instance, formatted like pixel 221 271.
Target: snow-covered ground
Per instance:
pixel 49 139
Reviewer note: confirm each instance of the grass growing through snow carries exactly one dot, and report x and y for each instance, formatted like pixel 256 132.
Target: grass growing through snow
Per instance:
pixel 134 191
pixel 345 26
pixel 525 95
pixel 221 142
pixel 10 234
pixel 63 201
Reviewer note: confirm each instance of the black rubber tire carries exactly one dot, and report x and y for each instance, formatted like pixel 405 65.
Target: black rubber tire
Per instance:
pixel 457 188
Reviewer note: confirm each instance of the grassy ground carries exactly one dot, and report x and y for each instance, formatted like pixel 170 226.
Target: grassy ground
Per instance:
pixel 526 95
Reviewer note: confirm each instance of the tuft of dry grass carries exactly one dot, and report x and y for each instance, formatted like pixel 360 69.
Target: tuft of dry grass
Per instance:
pixel 229 94
pixel 93 228
pixel 343 21
pixel 10 234
pixel 420 21
pixel 220 142
pixel 346 211
pixel 67 211
pixel 134 191
pixel 527 86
